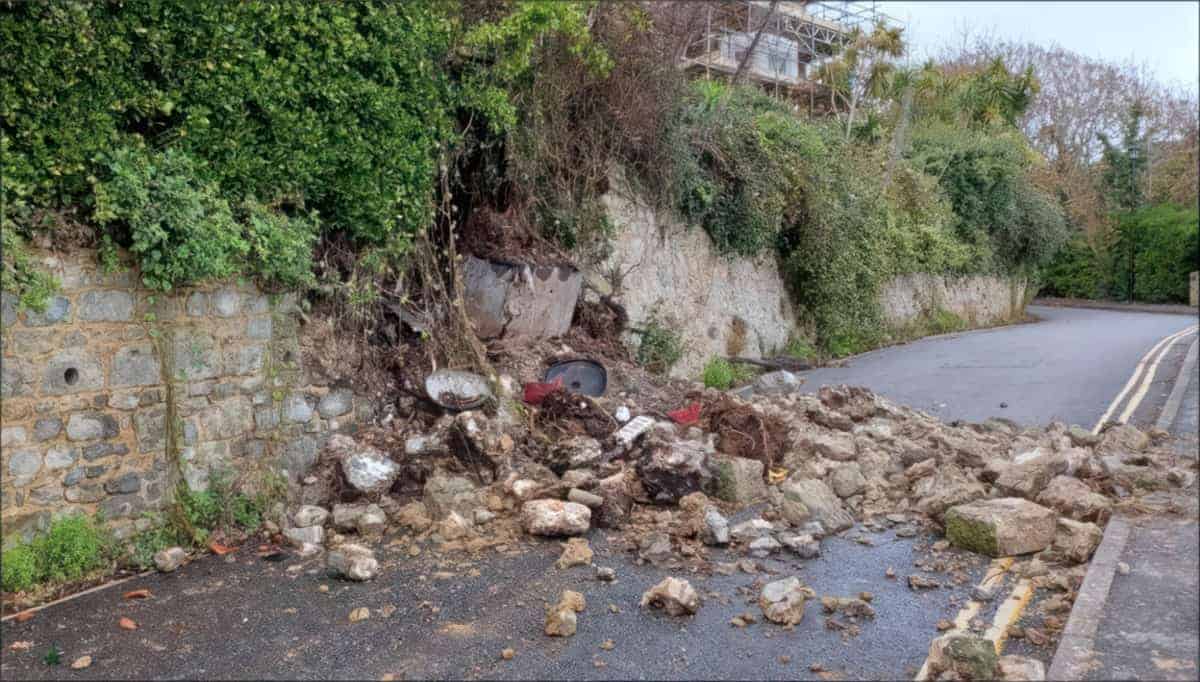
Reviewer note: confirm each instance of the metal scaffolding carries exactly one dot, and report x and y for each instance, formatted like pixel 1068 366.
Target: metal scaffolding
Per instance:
pixel 778 44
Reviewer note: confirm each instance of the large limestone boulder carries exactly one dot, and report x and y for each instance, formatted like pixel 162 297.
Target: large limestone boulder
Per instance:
pixel 822 504
pixel 948 486
pixel 969 657
pixel 617 500
pixel 675 596
pixel 353 562
pixel 555 518
pixel 1005 526
pixel 1122 439
pixel 444 494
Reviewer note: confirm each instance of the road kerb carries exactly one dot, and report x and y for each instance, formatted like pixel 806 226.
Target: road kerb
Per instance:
pixel 1170 408
pixel 1070 660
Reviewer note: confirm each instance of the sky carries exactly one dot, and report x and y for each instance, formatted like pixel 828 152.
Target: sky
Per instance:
pixel 1163 35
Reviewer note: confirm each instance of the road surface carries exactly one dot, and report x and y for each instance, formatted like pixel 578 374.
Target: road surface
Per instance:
pixel 240 617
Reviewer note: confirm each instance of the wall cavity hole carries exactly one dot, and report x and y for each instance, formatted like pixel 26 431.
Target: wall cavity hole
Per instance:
pixel 71 376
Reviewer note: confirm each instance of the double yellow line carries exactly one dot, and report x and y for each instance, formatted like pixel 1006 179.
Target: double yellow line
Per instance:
pixel 1146 369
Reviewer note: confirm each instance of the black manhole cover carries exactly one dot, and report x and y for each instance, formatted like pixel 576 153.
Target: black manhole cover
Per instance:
pixel 579 376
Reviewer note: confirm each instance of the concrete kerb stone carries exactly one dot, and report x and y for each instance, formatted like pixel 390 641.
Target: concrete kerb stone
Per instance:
pixel 1167 417
pixel 1075 646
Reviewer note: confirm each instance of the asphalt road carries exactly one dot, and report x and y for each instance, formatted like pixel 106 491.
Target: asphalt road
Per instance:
pixel 241 617
pixel 1067 367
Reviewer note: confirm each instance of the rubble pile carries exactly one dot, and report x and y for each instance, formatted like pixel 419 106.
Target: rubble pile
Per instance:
pixel 665 487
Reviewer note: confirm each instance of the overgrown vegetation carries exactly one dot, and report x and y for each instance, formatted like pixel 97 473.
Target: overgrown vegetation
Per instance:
pixel 73 547
pixel 721 374
pixel 660 347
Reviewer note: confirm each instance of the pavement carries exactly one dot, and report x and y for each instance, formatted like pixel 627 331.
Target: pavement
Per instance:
pixel 1138 612
pixel 241 617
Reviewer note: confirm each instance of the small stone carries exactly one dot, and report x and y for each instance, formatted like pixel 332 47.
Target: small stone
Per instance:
pixel 622 414
pixel 313 535
pixel 360 614
pixel 782 601
pixel 353 562
pixel 984 594
pixel 655 547
pixel 310 515
pixel 1122 568
pixel 169 559
pixel 751 530
pixel 764 546
pixel 605 574
pixel 576 552
pixel 1020 669
pixel 507 654
pixel 589 500
pixel 920 582
pixel 323 589
pixel 81 663
pixel 673 595
pixel 715 531
pixel 483 516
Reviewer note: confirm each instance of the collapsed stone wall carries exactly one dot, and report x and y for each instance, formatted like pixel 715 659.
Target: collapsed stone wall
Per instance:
pixel 87 403
pixel 979 300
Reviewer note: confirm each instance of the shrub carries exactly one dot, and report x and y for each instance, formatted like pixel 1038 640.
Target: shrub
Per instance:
pixel 149 542
pixel 718 373
pixel 1074 272
pixel 73 547
pixel 180 228
pixel 20 276
pixel 19 571
pixel 1165 240
pixel 342 105
pixel 281 246
pixel 660 347
pixel 219 507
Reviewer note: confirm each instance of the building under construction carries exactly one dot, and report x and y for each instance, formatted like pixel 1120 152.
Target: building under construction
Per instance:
pixel 779 44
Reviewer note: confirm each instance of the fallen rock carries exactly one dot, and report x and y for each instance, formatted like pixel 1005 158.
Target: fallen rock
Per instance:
pixel 579 452
pixel 169 559
pixel 454 527
pixel 1071 497
pixel 839 447
pixel 345 516
pixel 749 531
pixel 414 516
pixel 968 656
pixel 655 547
pixel 1001 527
pixel 763 547
pixel 561 620
pixel 1030 472
pixel 365 469
pixel 555 518
pixel 782 601
pixel 802 545
pixel 589 500
pixel 920 582
pixel 1122 439
pixel 673 595
pixel 583 479
pixel 947 487
pixel 353 562
pixel 850 606
pixel 618 501
pixel 1076 540
pixel 605 574
pixel 847 480
pixel 81 663
pixel 483 516
pixel 668 471
pixel 715 530
pixel 736 479
pixel 1081 437
pixel 444 494
pixel 778 382
pixel 576 552
pixel 310 515
pixel 820 501
pixel 313 535
pixel 1020 668
pixel 371 522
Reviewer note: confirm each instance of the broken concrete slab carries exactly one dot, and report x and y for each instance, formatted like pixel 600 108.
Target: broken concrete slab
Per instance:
pixel 1005 526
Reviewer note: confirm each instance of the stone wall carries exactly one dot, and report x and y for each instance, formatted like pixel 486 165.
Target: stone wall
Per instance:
pixel 721 306
pixel 1194 289
pixel 979 300
pixel 86 405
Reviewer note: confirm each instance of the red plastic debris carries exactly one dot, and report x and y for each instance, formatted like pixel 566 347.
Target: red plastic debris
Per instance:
pixel 535 392
pixel 687 415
